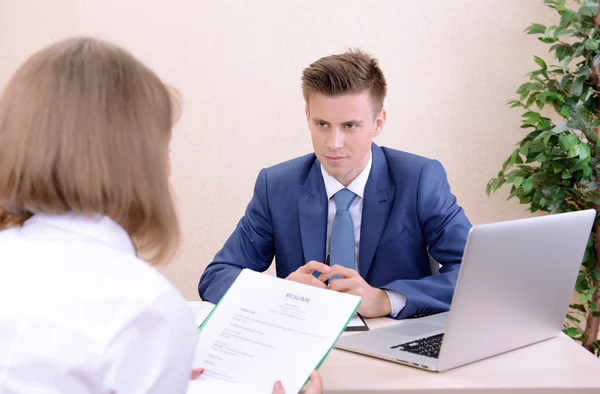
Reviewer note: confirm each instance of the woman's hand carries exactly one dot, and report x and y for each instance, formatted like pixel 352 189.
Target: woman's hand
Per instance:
pixel 315 386
pixel 196 372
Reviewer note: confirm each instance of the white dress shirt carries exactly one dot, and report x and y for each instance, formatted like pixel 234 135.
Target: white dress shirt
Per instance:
pixel 357 186
pixel 80 313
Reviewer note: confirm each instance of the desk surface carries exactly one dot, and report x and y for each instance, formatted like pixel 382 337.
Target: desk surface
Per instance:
pixel 557 366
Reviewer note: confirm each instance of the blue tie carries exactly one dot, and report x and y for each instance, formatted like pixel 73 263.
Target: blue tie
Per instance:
pixel 341 249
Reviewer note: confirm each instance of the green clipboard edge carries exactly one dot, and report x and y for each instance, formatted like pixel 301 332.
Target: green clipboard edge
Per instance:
pixel 201 326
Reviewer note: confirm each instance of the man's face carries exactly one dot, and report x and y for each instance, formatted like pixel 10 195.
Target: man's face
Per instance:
pixel 342 128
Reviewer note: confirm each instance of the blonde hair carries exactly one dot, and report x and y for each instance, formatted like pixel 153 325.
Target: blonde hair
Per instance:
pixel 85 128
pixel 350 72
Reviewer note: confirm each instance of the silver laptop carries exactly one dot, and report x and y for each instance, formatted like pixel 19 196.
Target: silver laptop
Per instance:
pixel 513 290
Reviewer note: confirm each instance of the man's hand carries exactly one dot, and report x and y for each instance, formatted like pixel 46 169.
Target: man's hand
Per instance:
pixel 375 302
pixel 305 275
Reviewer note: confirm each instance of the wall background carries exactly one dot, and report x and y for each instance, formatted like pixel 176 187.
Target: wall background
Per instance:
pixel 450 67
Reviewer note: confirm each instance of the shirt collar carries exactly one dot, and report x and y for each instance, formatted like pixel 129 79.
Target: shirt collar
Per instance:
pixel 98 227
pixel 357 186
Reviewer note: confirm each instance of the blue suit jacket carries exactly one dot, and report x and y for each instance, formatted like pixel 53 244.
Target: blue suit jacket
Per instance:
pixel 408 212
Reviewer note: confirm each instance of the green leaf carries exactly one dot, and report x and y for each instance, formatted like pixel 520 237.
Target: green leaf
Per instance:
pixel 589 260
pixel 565 80
pixel 584 167
pixel 560 5
pixel 561 31
pixel 578 307
pixel 523 88
pixel 555 46
pixel 589 8
pixel 548 97
pixel 549 30
pixel 527 185
pixel 562 51
pixel 527 87
pixel 566 112
pixel 514 103
pixel 531 118
pixel 541 62
pixel 573 152
pixel 518 181
pixel 567 17
pixel 560 128
pixel 499 184
pixel 512 159
pixel 573 319
pixel 591 44
pixel 535 28
pixel 581 284
pixel 584 71
pixel 559 98
pixel 543 124
pixel 519 160
pixel 589 92
pixel 576 123
pixel 574 332
pixel 567 141
pixel 579 48
pixel 532 115
pixel 586 296
pixel 532 98
pixel 548 40
pixel 578 85
pixel 596 273
pixel 584 151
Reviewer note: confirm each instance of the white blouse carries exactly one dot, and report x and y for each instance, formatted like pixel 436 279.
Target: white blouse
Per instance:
pixel 80 313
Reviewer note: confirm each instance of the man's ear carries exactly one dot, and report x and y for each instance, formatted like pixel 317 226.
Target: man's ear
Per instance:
pixel 306 112
pixel 380 122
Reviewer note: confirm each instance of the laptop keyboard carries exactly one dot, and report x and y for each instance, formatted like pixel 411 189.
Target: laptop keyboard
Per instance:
pixel 428 347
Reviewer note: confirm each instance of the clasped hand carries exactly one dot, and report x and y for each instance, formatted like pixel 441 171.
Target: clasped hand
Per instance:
pixel 375 302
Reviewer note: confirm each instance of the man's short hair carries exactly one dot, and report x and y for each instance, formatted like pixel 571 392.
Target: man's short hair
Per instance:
pixel 351 72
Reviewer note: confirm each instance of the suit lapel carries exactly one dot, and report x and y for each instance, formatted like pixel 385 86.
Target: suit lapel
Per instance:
pixel 378 198
pixel 312 215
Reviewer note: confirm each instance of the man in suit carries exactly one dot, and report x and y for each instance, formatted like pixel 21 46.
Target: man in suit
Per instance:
pixel 352 216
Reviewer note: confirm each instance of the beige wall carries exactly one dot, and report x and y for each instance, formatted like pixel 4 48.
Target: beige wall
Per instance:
pixel 450 66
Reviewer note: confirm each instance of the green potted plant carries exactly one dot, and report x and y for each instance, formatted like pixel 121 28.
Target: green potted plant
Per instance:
pixel 556 166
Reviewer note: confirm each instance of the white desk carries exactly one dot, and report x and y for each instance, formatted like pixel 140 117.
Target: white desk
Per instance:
pixel 555 366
